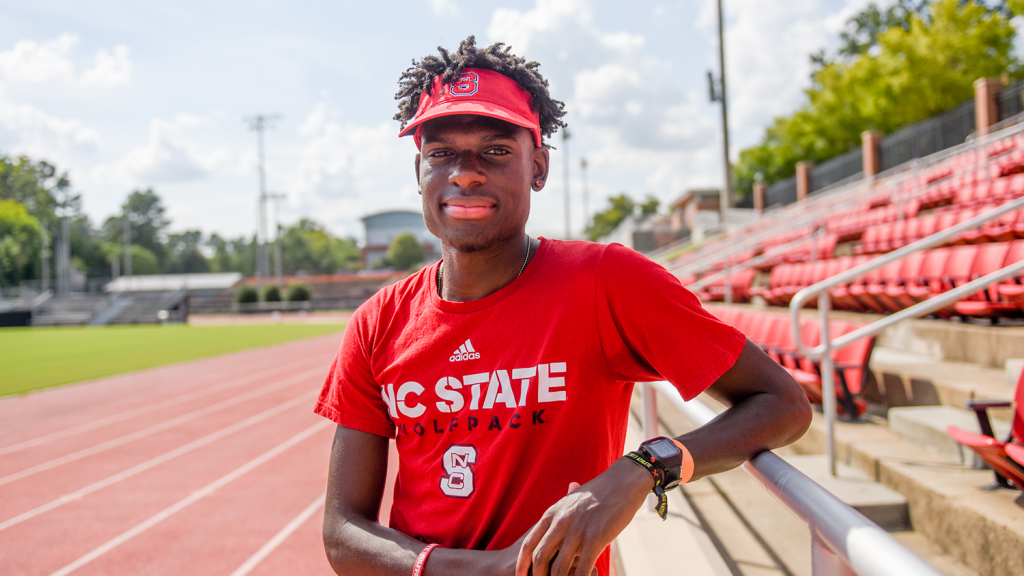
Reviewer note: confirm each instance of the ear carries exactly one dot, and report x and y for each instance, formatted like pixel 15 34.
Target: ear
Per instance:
pixel 541 162
pixel 418 174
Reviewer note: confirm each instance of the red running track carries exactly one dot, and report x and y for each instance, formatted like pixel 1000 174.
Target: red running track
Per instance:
pixel 215 467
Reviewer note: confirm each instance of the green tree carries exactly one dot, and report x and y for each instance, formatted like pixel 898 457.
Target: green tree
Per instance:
pixel 405 252
pixel 39 186
pixel 238 255
pixel 186 256
pixel 145 211
pixel 902 68
pixel 605 222
pixel 20 236
pixel 307 246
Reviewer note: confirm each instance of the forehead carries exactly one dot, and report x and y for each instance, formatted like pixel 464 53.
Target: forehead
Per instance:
pixel 447 127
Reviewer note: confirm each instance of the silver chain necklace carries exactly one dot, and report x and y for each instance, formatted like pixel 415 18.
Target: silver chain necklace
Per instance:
pixel 440 269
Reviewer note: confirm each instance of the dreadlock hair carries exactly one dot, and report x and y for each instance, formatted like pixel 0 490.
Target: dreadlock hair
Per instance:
pixel 496 57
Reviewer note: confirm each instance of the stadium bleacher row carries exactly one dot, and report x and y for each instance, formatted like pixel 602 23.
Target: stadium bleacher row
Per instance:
pixel 966 186
pixel 772 332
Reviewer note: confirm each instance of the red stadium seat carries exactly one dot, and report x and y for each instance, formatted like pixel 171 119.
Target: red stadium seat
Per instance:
pixel 889 275
pixel 928 281
pixel 910 271
pixel 987 303
pixel 851 371
pixel 990 449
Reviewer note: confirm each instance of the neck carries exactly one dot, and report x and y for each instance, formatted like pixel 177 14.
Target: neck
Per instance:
pixel 467 276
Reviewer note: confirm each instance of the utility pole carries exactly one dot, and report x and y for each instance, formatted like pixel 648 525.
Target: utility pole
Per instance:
pixel 259 124
pixel 719 95
pixel 44 238
pixel 277 197
pixel 565 144
pixel 586 199
pixel 127 221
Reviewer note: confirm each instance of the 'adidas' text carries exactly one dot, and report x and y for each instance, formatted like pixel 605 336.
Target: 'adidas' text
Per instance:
pixel 464 352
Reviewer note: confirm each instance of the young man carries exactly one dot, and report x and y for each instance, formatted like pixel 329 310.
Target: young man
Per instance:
pixel 505 371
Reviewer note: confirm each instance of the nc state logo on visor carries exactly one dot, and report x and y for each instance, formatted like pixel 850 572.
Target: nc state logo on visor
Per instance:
pixel 467 84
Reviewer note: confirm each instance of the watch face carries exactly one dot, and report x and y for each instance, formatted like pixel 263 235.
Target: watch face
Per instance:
pixel 664 450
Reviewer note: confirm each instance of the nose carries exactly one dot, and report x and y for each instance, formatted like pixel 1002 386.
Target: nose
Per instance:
pixel 467 171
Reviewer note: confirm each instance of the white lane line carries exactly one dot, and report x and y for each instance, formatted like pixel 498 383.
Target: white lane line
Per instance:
pixel 190 499
pixel 153 429
pixel 155 461
pixel 242 380
pixel 280 537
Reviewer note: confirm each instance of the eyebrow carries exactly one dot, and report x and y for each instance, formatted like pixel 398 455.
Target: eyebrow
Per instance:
pixel 497 135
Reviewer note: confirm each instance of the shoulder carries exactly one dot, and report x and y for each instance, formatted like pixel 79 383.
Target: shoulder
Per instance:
pixel 404 292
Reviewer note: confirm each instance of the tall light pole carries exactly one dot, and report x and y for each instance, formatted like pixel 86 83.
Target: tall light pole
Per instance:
pixel 127 222
pixel 277 197
pixel 259 124
pixel 565 145
pixel 718 94
pixel 586 199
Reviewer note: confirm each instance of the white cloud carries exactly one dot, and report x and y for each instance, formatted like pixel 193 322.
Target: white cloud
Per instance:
pixel 346 171
pixel 30 62
pixel 169 156
pixel 25 129
pixel 639 132
pixel 111 68
pixel 444 7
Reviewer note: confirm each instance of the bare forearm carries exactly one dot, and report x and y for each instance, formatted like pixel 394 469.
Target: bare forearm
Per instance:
pixel 365 548
pixel 752 425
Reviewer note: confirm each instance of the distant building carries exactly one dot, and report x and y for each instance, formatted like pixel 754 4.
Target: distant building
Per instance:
pixel 382 228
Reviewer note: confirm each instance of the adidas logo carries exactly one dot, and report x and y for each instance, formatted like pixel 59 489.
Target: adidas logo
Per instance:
pixel 465 352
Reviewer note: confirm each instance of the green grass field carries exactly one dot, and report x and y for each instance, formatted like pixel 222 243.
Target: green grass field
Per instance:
pixel 34 358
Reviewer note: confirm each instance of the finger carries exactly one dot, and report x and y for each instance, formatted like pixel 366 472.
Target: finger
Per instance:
pixel 567 555
pixel 573 486
pixel 547 549
pixel 588 558
pixel 530 542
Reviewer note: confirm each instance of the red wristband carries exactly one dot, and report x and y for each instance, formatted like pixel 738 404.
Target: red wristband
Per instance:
pixel 421 560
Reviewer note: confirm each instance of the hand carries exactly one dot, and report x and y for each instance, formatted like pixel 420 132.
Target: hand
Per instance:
pixel 572 533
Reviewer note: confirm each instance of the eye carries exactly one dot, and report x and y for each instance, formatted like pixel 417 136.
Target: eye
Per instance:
pixel 498 152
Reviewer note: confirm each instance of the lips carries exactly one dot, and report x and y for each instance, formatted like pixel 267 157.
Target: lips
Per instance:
pixel 469 207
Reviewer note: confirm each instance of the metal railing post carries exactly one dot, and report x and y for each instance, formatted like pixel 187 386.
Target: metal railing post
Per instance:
pixel 825 562
pixel 828 384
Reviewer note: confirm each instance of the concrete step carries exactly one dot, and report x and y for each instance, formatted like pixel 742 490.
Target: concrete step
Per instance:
pixel 878 503
pixel 982 529
pixel 926 426
pixel 911 379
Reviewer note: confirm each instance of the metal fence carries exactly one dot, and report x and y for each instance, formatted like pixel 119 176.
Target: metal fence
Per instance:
pixel 1010 103
pixel 928 136
pixel 837 169
pixel 782 193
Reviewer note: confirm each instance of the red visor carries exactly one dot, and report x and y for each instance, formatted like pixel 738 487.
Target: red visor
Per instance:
pixel 480 92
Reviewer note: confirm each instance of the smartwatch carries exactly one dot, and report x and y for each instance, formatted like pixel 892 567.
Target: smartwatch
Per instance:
pixel 668 462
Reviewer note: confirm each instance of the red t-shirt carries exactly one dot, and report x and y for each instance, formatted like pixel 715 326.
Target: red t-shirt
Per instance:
pixel 497 404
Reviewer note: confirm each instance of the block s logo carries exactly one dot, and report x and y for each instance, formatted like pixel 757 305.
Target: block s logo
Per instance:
pixel 467 84
pixel 458 480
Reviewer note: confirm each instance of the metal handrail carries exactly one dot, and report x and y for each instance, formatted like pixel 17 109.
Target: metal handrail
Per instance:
pixel 753 262
pixel 843 541
pixel 821 289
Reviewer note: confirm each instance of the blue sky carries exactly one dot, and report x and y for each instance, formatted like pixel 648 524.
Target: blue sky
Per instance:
pixel 128 94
